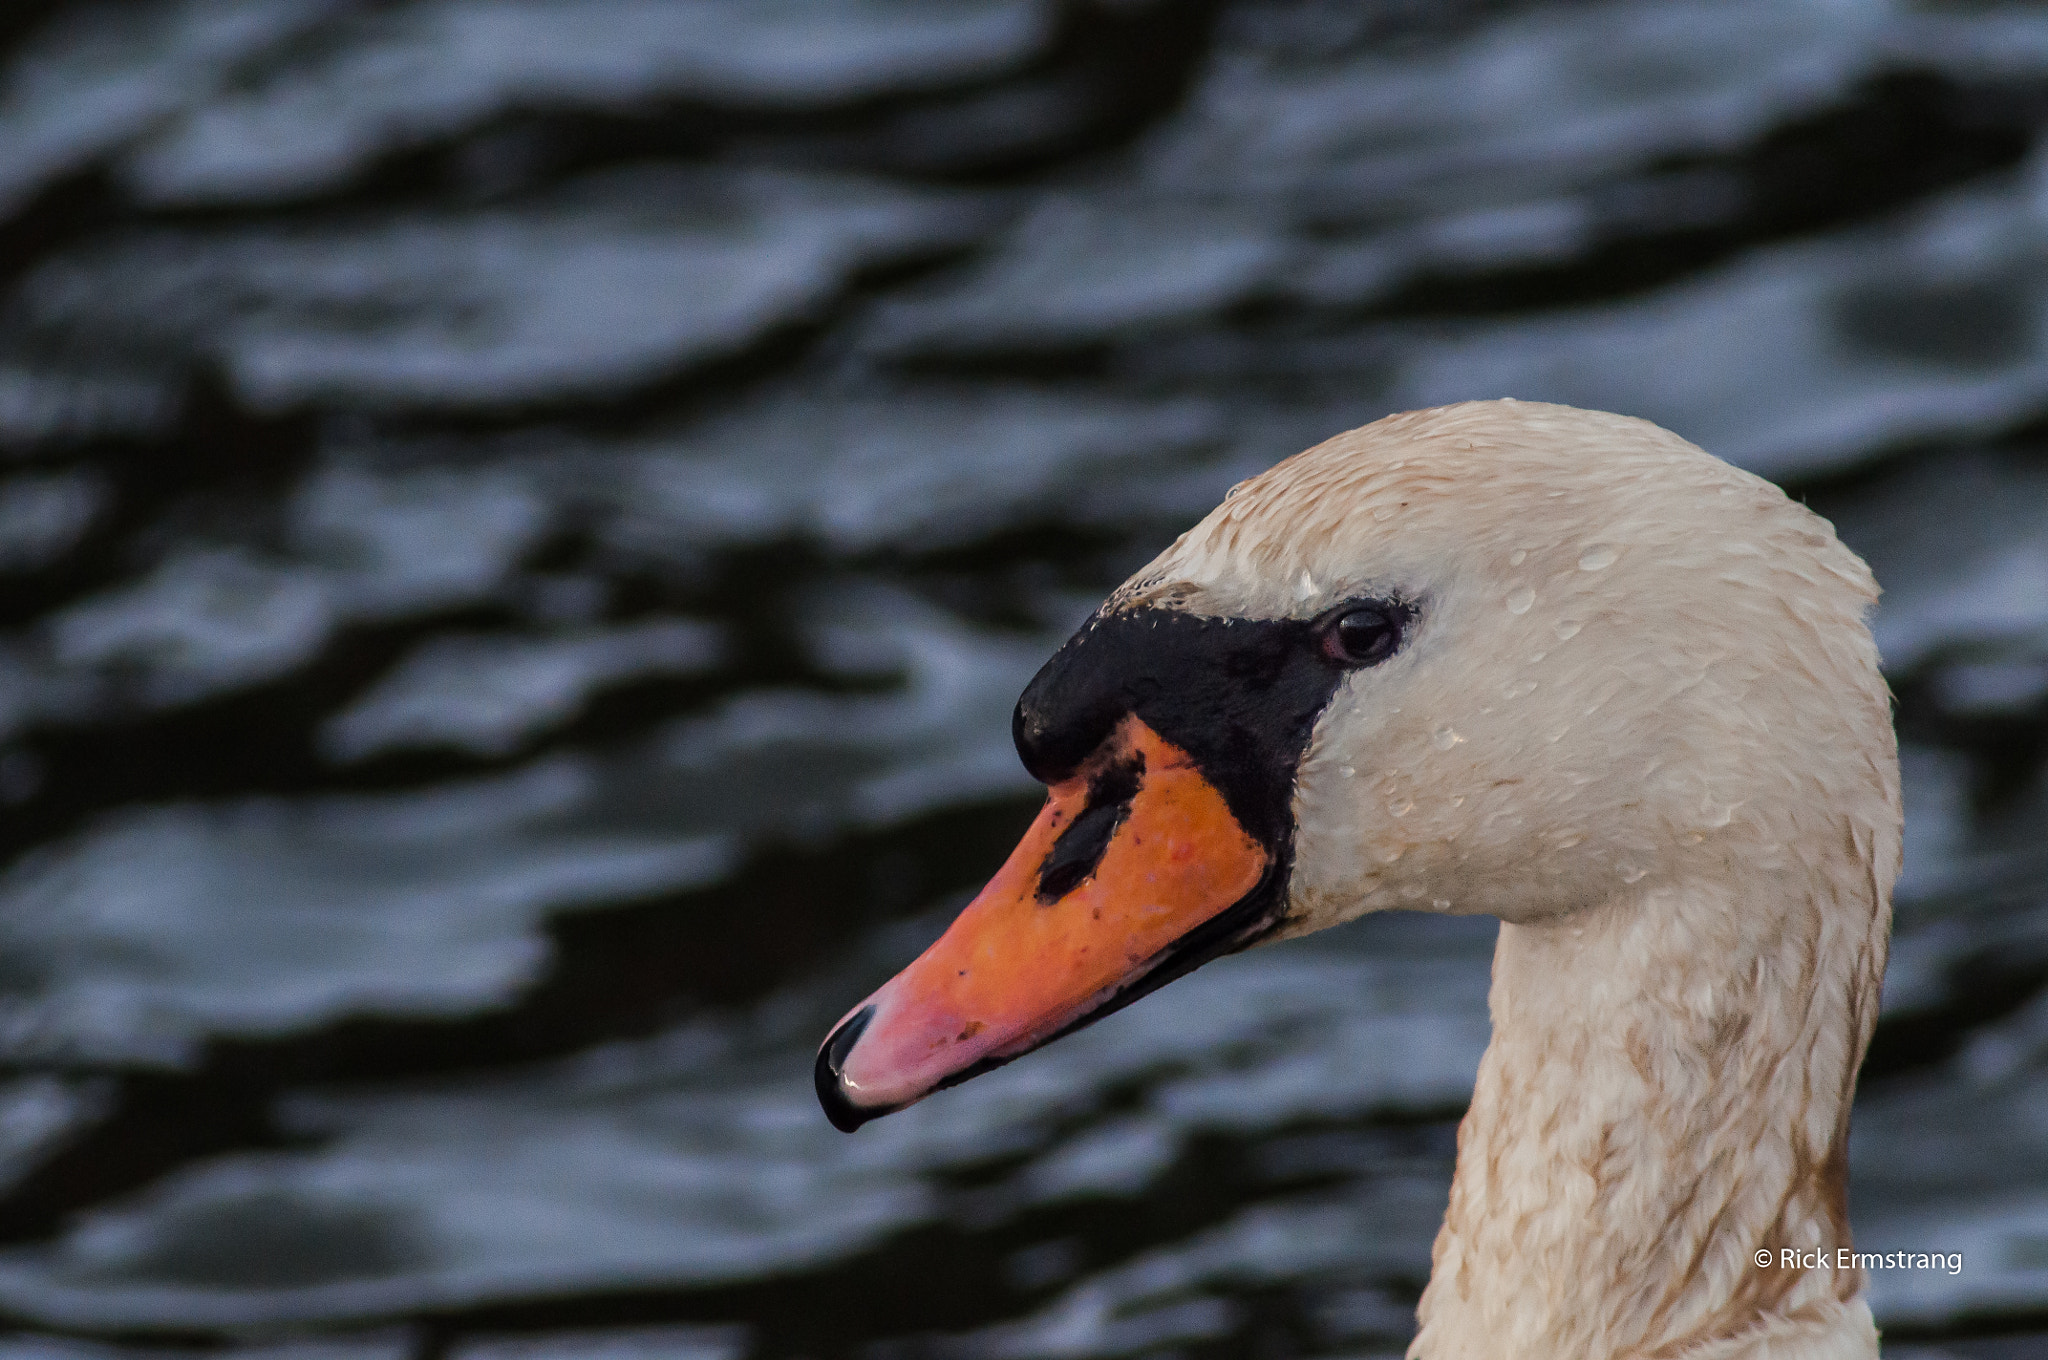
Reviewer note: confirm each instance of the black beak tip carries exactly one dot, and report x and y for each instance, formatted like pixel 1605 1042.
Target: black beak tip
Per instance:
pixel 844 1114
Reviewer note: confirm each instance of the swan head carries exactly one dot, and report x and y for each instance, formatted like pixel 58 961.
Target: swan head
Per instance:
pixel 1498 657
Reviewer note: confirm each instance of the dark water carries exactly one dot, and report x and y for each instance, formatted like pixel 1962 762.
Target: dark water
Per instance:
pixel 522 523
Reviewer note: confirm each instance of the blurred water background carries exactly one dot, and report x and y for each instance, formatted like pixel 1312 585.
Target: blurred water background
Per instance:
pixel 522 521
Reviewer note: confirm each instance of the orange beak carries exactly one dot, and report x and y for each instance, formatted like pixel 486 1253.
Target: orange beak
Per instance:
pixel 1129 858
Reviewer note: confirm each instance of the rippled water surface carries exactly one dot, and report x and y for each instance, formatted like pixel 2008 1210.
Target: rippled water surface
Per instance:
pixel 522 522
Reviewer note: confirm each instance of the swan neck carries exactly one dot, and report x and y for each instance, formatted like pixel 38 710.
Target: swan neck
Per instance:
pixel 1665 1097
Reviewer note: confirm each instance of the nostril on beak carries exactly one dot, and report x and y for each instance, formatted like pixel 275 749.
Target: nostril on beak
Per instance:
pixel 1079 850
pixel 829 1073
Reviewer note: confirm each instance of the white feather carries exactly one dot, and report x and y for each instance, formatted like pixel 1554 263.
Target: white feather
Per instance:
pixel 1639 719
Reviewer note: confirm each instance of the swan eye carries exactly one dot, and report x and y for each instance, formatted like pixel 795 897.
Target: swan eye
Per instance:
pixel 1362 636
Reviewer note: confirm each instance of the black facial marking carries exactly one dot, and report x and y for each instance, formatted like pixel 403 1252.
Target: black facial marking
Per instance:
pixel 1081 846
pixel 1240 696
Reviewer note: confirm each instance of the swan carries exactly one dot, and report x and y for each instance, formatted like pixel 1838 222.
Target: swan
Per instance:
pixel 1557 666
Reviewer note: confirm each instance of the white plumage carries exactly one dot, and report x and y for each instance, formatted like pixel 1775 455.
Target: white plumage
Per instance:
pixel 1641 721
